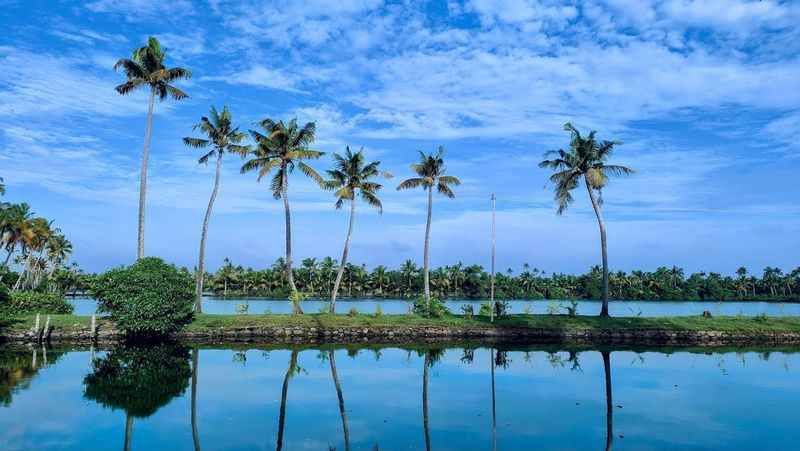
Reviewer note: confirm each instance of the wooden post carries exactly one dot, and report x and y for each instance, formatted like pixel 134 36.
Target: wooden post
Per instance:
pixel 46 331
pixel 494 240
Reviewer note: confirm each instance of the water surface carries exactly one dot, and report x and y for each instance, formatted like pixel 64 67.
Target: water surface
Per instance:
pixel 290 399
pixel 216 305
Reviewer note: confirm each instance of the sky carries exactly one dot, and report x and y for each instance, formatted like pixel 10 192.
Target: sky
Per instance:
pixel 704 95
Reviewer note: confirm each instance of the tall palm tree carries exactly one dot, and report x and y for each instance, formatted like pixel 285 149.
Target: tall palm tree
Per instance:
pixel 144 69
pixel 222 137
pixel 351 175
pixel 430 172
pixel 283 147
pixel 585 161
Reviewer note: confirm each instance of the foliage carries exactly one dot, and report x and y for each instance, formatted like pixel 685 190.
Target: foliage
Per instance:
pixel 352 312
pixel 468 310
pixel 21 302
pixel 316 276
pixel 296 297
pixel 242 308
pixel 139 379
pixel 145 69
pixel 4 294
pixel 149 297
pixel 378 311
pixel 572 308
pixel 437 308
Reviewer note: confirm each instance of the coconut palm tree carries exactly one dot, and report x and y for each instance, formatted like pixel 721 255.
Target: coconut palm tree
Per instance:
pixel 145 69
pixel 222 137
pixel 351 176
pixel 430 172
pixel 585 161
pixel 284 146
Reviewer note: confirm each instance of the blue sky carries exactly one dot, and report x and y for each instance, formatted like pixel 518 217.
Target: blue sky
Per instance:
pixel 704 94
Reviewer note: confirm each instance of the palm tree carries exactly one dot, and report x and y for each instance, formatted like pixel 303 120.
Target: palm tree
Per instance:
pixel 146 69
pixel 223 137
pixel 351 176
pixel 585 159
pixel 430 173
pixel 284 146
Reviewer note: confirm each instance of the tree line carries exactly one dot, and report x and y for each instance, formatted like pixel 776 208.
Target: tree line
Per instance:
pixel 316 277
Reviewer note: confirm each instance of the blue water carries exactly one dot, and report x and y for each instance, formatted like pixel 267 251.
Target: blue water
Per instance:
pixel 543 400
pixel 213 305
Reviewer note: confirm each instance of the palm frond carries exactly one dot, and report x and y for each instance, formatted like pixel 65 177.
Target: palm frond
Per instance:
pixel 310 172
pixel 444 189
pixel 197 143
pixel 411 183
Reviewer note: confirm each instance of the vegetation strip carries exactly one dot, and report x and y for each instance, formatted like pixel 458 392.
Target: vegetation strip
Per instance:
pixel 693 330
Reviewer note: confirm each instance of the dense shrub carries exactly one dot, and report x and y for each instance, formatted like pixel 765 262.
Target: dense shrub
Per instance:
pixel 437 308
pixel 501 309
pixel 148 298
pixel 20 302
pixel 4 295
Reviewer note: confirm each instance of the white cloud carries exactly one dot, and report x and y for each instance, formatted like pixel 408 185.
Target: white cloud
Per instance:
pixel 262 77
pixel 135 10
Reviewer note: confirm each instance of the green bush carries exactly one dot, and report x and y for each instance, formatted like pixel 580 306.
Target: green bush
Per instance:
pixel 4 295
pixel 148 298
pixel 437 307
pixel 20 302
pixel 500 309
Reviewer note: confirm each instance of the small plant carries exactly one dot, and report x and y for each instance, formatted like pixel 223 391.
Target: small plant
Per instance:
pixel 485 309
pixel 468 310
pixel 528 309
pixel 761 318
pixel 242 308
pixel 353 312
pixel 296 297
pixel 572 308
pixel 378 311
pixel 501 308
pixel 553 308
pixel 325 308
pixel 437 308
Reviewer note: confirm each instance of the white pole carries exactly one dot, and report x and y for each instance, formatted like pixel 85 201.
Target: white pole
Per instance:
pixel 494 242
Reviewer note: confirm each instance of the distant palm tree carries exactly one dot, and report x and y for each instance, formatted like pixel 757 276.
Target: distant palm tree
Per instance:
pixel 350 176
pixel 430 174
pixel 284 146
pixel 585 160
pixel 223 137
pixel 146 69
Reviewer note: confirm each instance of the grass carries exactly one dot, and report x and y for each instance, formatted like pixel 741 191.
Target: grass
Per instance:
pixel 558 322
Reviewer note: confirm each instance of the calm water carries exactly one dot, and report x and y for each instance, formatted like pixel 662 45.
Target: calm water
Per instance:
pixel 87 306
pixel 542 399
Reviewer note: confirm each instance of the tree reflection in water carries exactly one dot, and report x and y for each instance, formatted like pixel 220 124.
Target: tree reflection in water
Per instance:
pixel 609 403
pixel 290 372
pixel 139 379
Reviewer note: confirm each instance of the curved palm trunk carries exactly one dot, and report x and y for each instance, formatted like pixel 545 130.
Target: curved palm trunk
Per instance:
pixel 609 402
pixel 148 133
pixel 425 402
pixel 342 411
pixel 601 223
pixel 344 255
pixel 426 253
pixel 289 274
pixel 23 275
pixel 201 264
pixel 128 431
pixel 195 433
pixel 284 392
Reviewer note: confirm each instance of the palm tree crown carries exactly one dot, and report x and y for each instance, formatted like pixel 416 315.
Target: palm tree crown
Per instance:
pixel 221 133
pixel 431 173
pixel 283 146
pixel 146 68
pixel 586 158
pixel 350 175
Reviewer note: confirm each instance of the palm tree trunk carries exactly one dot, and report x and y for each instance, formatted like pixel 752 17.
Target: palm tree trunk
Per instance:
pixel 148 133
pixel 425 402
pixel 201 264
pixel 342 411
pixel 284 393
pixel 22 275
pixel 128 431
pixel 609 402
pixel 599 213
pixel 289 275
pixel 491 289
pixel 344 255
pixel 195 433
pixel 426 253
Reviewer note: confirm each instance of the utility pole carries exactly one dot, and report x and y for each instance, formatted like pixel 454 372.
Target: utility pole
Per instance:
pixel 494 242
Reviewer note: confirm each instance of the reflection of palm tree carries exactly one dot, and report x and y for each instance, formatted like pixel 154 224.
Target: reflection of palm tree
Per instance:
pixel 494 412
pixel 195 434
pixel 128 431
pixel 609 402
pixel 284 391
pixel 342 412
pixel 426 364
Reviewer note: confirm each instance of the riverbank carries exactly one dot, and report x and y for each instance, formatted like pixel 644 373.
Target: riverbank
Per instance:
pixel 325 328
